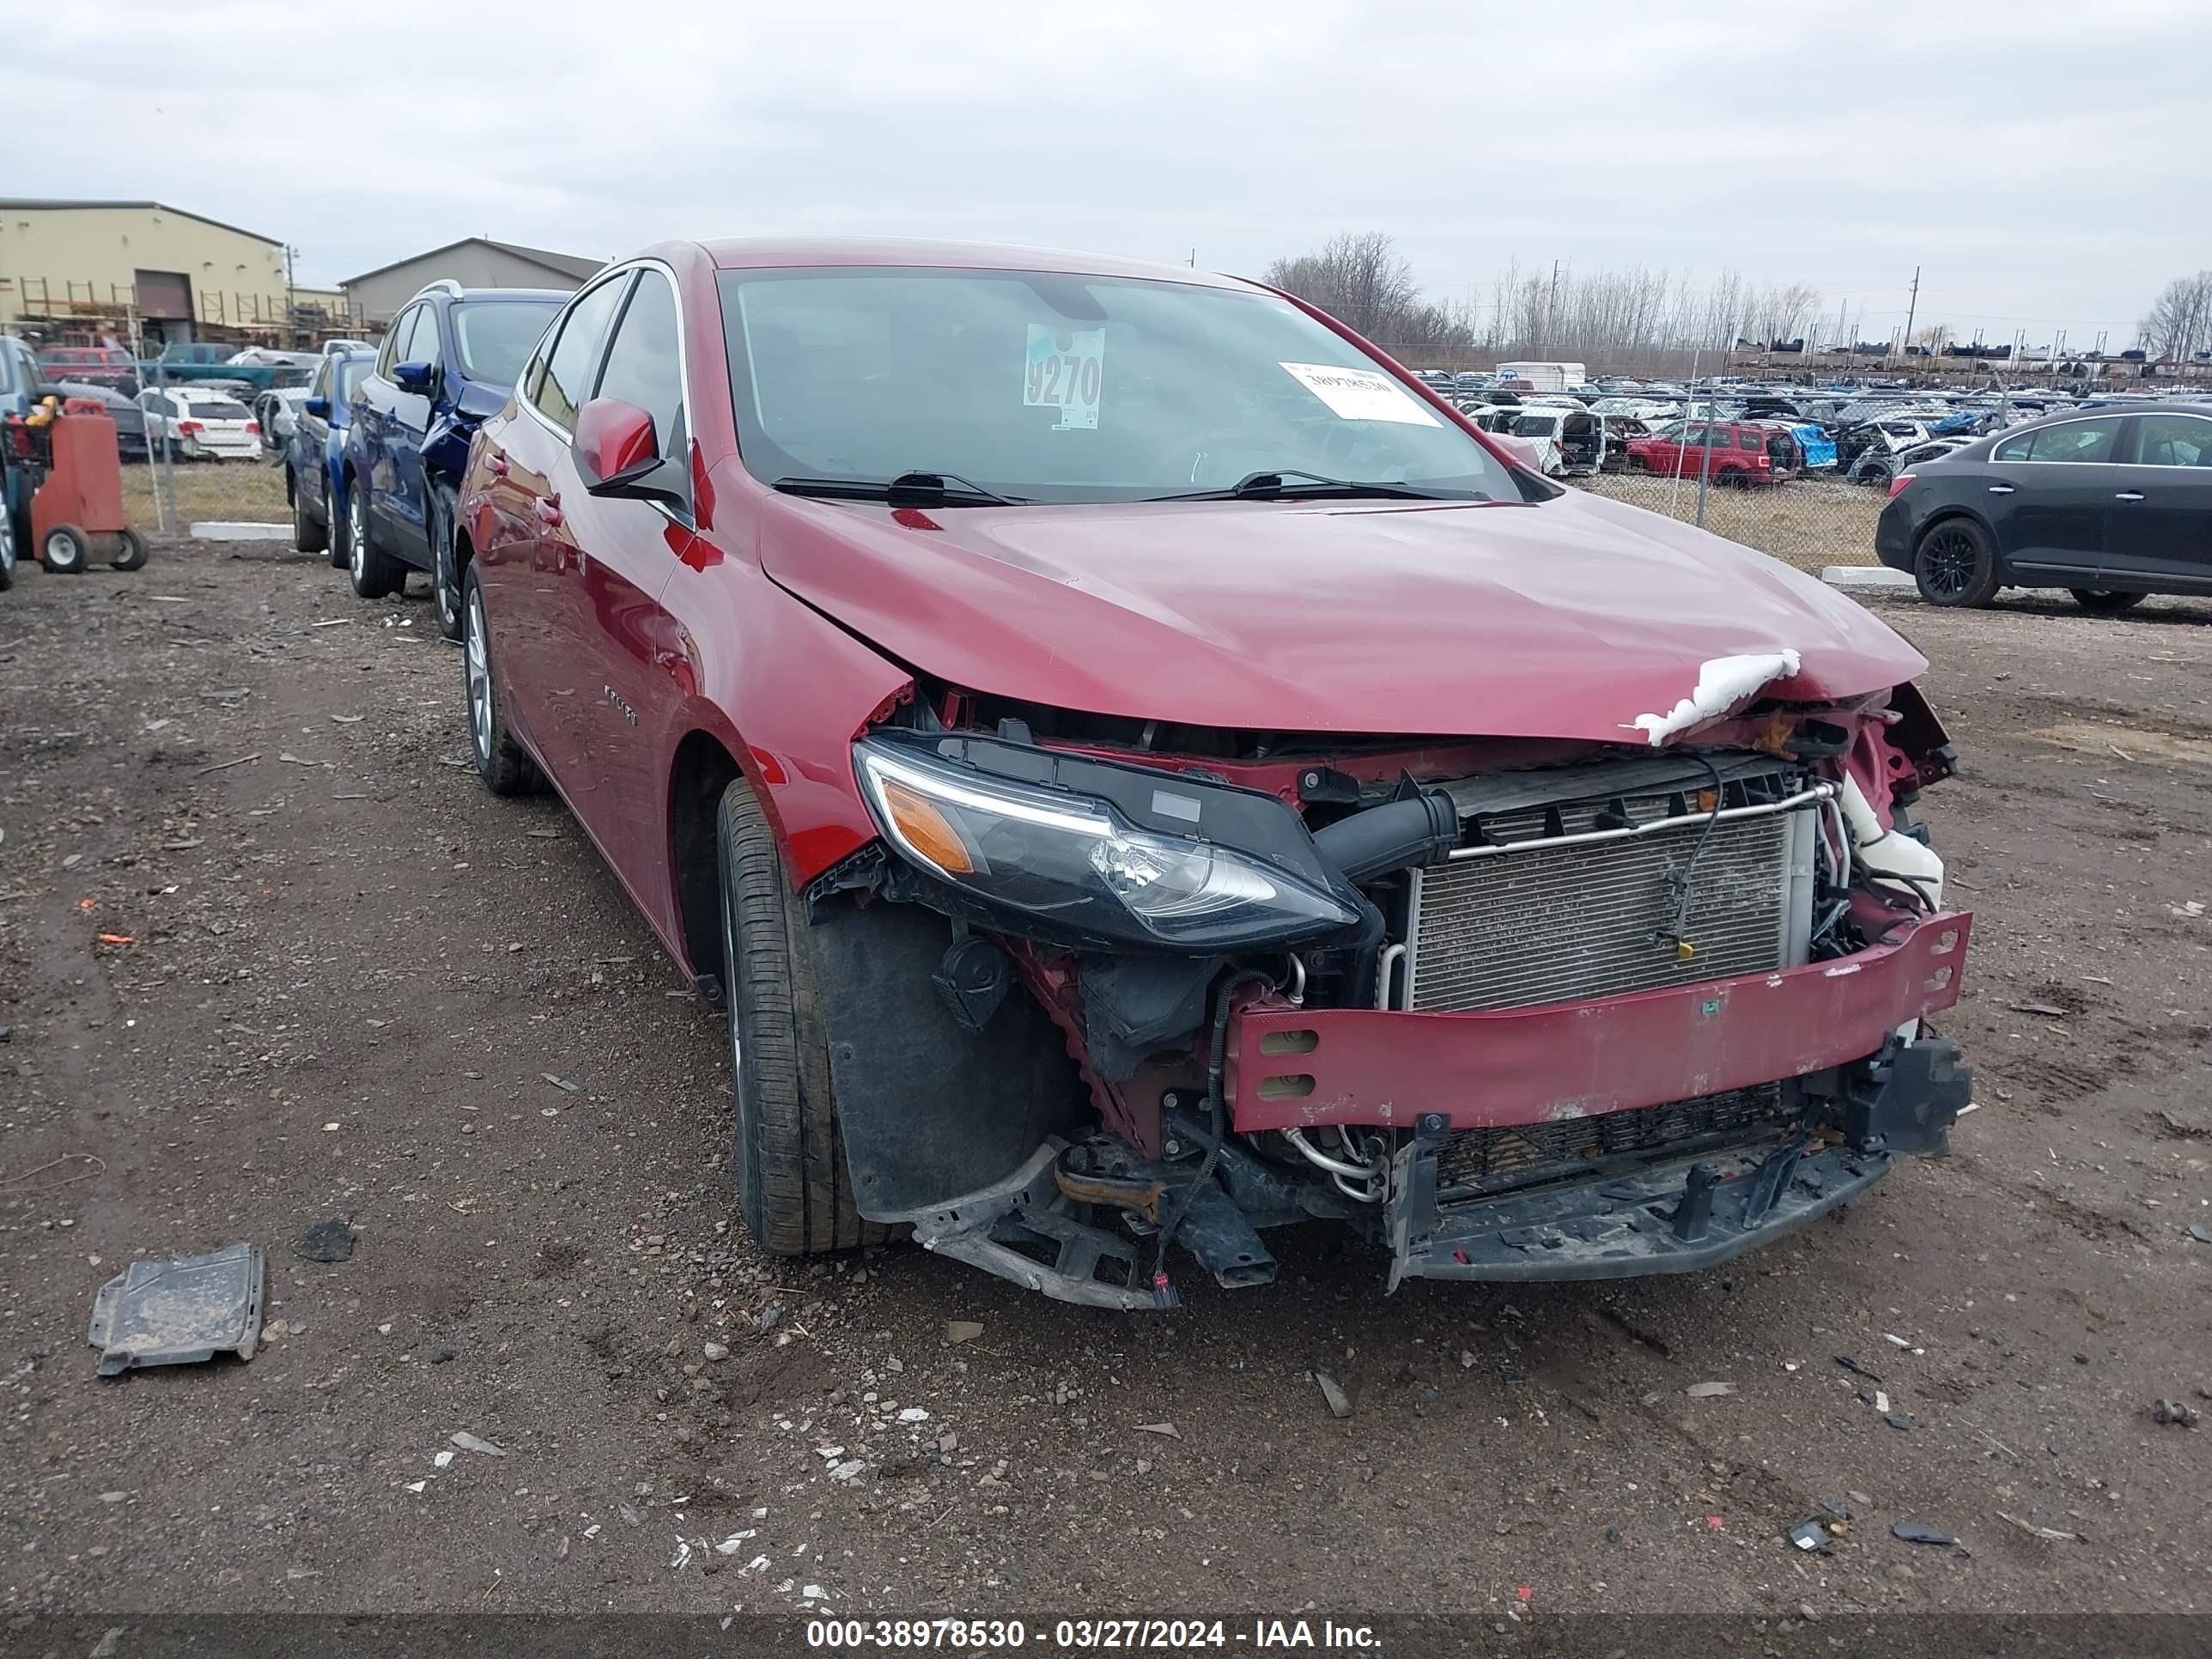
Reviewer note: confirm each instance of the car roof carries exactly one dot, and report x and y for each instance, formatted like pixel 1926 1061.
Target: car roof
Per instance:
pixel 781 253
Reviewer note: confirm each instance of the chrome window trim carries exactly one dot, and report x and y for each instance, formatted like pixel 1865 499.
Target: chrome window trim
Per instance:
pixel 683 347
pixel 2078 420
pixel 2171 415
pixel 618 273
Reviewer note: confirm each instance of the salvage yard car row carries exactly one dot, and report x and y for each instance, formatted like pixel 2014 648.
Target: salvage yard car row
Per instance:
pixel 1137 768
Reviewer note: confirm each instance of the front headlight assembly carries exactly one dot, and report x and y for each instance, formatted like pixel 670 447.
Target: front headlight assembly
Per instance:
pixel 1076 866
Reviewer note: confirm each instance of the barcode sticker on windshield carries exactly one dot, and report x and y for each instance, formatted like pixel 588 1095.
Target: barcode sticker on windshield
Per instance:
pixel 1065 370
pixel 1360 394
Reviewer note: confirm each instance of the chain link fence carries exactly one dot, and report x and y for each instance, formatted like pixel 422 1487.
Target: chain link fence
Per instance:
pixel 195 452
pixel 1811 522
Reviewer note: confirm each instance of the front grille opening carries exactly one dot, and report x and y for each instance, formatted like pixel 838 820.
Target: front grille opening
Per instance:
pixel 1487 1161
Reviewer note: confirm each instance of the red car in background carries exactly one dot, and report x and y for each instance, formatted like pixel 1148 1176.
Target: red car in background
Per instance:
pixel 1738 453
pixel 108 366
pixel 1138 768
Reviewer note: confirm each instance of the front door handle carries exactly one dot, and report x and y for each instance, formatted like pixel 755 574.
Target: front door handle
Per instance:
pixel 2000 489
pixel 2129 495
pixel 548 511
pixel 498 465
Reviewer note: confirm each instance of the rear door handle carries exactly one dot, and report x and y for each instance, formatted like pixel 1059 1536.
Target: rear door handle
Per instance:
pixel 2129 495
pixel 548 510
pixel 2001 489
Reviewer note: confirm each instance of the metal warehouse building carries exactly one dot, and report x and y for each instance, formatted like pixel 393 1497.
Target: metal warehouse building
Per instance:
pixel 86 269
pixel 473 262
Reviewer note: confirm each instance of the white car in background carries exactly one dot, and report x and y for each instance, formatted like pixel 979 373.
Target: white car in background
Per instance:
pixel 200 425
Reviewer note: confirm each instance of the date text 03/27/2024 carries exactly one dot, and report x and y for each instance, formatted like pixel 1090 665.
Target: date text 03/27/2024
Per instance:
pixel 1141 1635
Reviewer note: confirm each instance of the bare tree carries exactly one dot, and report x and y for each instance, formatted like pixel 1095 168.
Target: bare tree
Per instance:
pixel 1366 285
pixel 1774 315
pixel 2180 324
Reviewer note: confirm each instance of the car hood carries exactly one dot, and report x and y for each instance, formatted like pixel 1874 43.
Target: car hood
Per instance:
pixel 1576 617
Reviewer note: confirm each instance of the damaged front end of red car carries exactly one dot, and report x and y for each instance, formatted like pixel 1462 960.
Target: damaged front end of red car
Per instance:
pixel 1511 1008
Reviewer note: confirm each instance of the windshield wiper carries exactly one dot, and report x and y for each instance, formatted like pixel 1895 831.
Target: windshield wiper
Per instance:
pixel 908 490
pixel 1276 484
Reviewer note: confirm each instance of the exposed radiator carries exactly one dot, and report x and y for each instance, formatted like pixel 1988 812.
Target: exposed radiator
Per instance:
pixel 1531 922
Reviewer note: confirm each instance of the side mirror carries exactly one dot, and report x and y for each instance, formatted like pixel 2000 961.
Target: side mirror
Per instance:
pixel 318 407
pixel 616 451
pixel 412 377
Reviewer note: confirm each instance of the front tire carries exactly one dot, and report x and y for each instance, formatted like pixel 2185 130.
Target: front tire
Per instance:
pixel 793 1183
pixel 2103 602
pixel 341 528
pixel 375 574
pixel 309 533
pixel 66 550
pixel 445 582
pixel 503 763
pixel 1955 564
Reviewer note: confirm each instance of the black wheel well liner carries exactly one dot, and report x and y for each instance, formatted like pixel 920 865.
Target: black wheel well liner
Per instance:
pixel 701 770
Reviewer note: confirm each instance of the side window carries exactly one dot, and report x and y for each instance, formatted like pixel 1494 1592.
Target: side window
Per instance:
pixel 643 366
pixel 321 388
pixel 424 348
pixel 2075 440
pixel 565 384
pixel 402 326
pixel 2174 441
pixel 2013 449
pixel 411 343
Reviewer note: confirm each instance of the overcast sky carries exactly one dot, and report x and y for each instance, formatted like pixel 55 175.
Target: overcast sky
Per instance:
pixel 2048 167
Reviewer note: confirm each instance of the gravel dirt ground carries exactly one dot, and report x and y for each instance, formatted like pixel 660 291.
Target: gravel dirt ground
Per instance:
pixel 350 983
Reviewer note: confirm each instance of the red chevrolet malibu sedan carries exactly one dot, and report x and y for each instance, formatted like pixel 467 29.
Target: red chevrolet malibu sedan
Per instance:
pixel 1139 769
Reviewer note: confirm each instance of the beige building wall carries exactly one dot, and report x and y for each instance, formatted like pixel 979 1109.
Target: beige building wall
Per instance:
pixel 101 250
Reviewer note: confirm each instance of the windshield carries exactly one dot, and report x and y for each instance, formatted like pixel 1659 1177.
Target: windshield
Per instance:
pixel 1047 387
pixel 495 336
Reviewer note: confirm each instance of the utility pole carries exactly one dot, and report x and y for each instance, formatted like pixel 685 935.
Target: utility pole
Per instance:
pixel 291 307
pixel 1912 307
pixel 1552 308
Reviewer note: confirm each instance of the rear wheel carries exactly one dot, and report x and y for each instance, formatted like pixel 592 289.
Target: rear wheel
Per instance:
pixel 2104 601
pixel 309 533
pixel 1955 564
pixel 129 551
pixel 375 574
pixel 788 1156
pixel 1732 478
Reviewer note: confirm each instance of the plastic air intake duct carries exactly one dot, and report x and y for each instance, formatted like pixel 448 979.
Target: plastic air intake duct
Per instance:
pixel 1415 830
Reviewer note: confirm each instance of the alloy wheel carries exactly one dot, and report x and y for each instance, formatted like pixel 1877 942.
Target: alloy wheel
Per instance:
pixel 1949 559
pixel 479 676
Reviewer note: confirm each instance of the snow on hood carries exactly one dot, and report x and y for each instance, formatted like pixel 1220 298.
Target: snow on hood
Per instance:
pixel 1576 617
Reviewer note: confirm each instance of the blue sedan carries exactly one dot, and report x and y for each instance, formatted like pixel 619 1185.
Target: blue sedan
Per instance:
pixel 315 459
